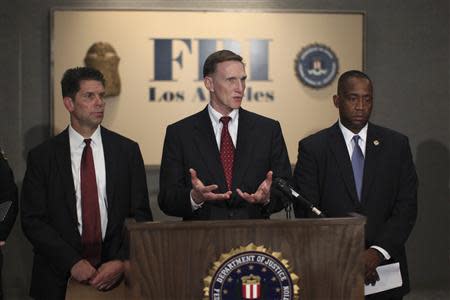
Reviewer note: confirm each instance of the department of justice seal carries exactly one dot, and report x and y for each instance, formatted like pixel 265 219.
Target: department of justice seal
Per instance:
pixel 316 66
pixel 251 272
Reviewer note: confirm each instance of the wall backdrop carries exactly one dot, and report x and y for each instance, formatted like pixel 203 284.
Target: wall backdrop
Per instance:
pixel 161 55
pixel 407 56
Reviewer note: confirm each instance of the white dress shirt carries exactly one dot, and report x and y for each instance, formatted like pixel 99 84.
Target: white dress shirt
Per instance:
pixel 217 126
pixel 76 150
pixel 348 136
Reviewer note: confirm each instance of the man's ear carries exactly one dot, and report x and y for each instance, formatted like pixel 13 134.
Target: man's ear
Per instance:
pixel 68 104
pixel 336 100
pixel 208 83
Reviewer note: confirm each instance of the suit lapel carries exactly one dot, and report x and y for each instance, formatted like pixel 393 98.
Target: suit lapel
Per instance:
pixel 244 147
pixel 111 156
pixel 64 163
pixel 338 147
pixel 208 150
pixel 374 145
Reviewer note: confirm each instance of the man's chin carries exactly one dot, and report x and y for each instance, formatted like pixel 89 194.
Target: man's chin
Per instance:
pixel 236 104
pixel 358 124
pixel 97 122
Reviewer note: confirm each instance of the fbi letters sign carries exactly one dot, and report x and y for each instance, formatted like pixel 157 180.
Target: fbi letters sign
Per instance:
pixel 159 58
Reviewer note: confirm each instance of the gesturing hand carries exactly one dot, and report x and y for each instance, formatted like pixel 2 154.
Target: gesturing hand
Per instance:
pixel 201 193
pixel 262 194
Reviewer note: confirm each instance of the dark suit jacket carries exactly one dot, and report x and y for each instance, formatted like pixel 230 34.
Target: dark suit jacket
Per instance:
pixel 8 192
pixel 49 218
pixel 324 175
pixel 190 143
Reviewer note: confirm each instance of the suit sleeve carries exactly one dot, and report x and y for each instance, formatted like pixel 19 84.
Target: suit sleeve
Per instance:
pixel 35 218
pixel 174 189
pixel 305 178
pixel 139 202
pixel 139 197
pixel 281 168
pixel 395 232
pixel 8 192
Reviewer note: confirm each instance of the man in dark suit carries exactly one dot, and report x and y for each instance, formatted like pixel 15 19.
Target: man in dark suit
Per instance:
pixel 372 174
pixel 8 201
pixel 219 163
pixel 78 189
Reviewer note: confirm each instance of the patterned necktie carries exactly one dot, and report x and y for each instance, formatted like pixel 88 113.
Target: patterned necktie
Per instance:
pixel 357 165
pixel 226 151
pixel 91 236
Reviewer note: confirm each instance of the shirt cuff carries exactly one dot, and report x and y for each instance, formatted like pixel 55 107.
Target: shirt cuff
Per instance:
pixel 382 251
pixel 194 205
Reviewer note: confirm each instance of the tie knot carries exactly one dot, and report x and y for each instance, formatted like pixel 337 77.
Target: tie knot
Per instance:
pixel 356 139
pixel 87 142
pixel 225 120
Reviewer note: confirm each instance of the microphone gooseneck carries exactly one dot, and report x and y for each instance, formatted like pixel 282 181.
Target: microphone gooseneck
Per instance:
pixel 288 190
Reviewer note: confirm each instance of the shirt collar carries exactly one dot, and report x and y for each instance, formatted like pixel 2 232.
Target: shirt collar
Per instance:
pixel 77 140
pixel 215 115
pixel 348 134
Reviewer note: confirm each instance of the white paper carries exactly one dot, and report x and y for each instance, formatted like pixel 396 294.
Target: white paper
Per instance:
pixel 390 277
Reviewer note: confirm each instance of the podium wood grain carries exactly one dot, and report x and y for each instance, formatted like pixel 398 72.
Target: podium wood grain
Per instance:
pixel 169 260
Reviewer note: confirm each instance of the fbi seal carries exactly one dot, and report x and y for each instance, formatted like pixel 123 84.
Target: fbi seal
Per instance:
pixel 316 66
pixel 251 272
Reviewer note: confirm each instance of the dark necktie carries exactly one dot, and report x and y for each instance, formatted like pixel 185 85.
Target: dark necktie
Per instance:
pixel 357 165
pixel 91 236
pixel 226 151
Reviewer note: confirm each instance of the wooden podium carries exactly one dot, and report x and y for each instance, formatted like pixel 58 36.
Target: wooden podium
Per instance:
pixel 169 260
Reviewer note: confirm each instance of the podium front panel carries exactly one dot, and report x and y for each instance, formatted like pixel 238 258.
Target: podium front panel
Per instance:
pixel 169 260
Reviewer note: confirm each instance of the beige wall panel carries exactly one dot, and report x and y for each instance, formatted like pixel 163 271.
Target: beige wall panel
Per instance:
pixel 300 109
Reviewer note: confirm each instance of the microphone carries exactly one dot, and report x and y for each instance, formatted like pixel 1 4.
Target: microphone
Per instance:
pixel 288 190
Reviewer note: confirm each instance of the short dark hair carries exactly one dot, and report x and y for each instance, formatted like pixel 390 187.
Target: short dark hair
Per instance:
pixel 346 76
pixel 209 67
pixel 70 83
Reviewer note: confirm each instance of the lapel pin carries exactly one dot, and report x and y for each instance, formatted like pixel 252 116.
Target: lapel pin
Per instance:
pixel 376 142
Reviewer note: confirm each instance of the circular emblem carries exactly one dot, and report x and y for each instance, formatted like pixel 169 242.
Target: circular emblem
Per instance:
pixel 251 272
pixel 316 66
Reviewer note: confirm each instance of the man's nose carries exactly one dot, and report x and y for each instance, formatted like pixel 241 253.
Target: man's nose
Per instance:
pixel 99 101
pixel 360 104
pixel 240 87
